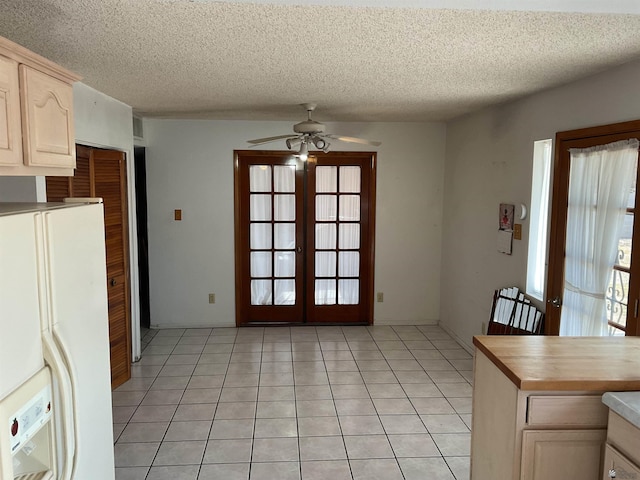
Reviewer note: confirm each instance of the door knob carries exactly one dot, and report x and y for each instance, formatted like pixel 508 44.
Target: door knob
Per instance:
pixel 555 301
pixel 299 249
pixel 113 282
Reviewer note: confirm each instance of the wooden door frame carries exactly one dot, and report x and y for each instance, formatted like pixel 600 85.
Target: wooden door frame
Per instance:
pixel 580 138
pixel 369 210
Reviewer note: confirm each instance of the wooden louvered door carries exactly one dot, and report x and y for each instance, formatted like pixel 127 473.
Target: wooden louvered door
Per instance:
pixel 102 173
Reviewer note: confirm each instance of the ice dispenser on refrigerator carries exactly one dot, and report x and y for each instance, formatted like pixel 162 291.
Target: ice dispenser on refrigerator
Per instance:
pixel 27 439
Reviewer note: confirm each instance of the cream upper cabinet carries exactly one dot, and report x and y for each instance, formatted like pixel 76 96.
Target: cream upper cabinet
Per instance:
pixel 10 126
pixel 47 120
pixel 36 114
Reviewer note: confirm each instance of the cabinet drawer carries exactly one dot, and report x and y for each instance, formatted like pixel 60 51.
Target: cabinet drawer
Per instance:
pixel 618 466
pixel 567 410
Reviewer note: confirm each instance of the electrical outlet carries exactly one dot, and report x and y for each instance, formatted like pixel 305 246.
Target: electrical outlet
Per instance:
pixel 380 297
pixel 212 298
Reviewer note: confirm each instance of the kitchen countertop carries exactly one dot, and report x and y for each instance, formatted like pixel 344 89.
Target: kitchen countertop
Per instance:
pixel 536 362
pixel 625 404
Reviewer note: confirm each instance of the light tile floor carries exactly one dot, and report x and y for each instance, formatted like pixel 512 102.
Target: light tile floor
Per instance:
pixel 308 403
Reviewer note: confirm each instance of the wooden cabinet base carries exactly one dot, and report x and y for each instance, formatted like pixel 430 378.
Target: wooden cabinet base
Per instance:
pixel 511 441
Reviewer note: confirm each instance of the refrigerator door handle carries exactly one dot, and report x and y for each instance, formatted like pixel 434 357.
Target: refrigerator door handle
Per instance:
pixel 55 360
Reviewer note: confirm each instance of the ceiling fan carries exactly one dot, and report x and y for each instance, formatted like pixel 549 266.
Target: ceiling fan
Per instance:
pixel 310 134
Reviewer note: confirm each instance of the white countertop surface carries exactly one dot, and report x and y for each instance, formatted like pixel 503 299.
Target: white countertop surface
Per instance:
pixel 625 404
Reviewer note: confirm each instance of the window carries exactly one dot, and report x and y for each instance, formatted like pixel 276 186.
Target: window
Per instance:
pixel 539 219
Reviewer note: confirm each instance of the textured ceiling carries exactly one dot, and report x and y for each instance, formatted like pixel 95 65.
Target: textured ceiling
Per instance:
pixel 227 60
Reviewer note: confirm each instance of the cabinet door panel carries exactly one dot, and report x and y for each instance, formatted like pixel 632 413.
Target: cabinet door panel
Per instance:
pixel 562 454
pixel 47 122
pixel 10 128
pixel 617 465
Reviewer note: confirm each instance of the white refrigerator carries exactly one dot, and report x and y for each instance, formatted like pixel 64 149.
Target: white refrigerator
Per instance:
pixel 54 328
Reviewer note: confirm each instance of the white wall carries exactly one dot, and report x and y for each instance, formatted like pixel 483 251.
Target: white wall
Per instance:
pixel 190 167
pixel 488 162
pixel 104 122
pixel 18 189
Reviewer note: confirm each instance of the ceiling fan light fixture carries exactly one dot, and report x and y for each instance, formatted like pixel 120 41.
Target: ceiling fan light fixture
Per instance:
pixel 319 143
pixel 326 148
pixel 304 152
pixel 292 142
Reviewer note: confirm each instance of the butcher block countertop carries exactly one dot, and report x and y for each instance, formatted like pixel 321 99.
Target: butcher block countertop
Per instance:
pixel 565 363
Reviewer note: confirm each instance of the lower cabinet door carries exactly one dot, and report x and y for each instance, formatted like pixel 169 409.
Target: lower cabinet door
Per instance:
pixel 618 466
pixel 562 454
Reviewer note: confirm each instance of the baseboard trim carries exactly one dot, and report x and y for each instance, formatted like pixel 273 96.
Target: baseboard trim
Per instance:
pixel 396 323
pixel 167 326
pixel 468 347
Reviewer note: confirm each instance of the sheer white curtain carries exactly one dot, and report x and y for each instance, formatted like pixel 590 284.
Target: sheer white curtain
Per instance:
pixel 268 264
pixel 599 184
pixel 337 186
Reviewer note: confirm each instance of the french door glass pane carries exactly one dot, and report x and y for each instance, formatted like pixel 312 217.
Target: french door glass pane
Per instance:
pixel 350 179
pixel 285 292
pixel 260 207
pixel 259 178
pixel 625 241
pixel 631 200
pixel 261 264
pixel 349 264
pixel 325 264
pixel 260 292
pixel 285 264
pixel 326 179
pixel 285 235
pixel 617 297
pixel 260 236
pixel 326 207
pixel 326 236
pixel 284 178
pixel 348 293
pixel 284 208
pixel 349 236
pixel 349 208
pixel 325 292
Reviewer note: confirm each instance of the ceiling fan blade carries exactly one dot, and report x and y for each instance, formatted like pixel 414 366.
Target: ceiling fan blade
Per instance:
pixel 354 140
pixel 259 141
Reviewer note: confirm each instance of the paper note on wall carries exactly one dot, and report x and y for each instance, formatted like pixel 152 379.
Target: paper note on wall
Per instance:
pixel 504 241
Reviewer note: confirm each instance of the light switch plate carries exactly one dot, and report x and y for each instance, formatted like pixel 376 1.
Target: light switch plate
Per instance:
pixel 517 231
